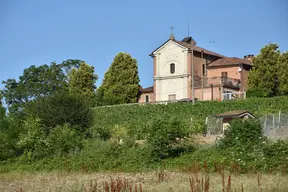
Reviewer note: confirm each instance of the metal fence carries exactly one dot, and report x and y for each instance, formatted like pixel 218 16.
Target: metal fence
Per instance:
pixel 275 126
pixel 185 100
pixel 225 81
pixel 214 125
pixel 233 96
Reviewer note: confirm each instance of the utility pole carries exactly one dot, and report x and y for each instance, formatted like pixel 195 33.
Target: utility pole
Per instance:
pixel 202 77
pixel 192 75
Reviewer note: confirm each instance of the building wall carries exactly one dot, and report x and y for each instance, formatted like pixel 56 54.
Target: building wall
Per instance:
pixel 199 61
pixel 165 82
pixel 207 93
pixel 232 72
pixel 244 84
pixel 142 98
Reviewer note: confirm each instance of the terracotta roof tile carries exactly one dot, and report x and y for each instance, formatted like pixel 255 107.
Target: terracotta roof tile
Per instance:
pixel 190 46
pixel 229 61
pixel 147 90
pixel 199 49
pixel 232 113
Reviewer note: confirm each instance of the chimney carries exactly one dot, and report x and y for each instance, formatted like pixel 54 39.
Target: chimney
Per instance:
pixel 188 40
pixel 249 57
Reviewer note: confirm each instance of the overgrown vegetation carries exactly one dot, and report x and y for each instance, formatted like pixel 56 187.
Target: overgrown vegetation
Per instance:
pixel 166 138
pixel 136 118
pixel 52 125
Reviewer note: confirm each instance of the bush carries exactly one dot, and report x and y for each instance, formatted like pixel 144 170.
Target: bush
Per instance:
pixel 10 128
pixel 62 108
pixel 35 144
pixel 257 92
pixel 242 134
pixel 275 153
pixel 33 141
pixel 166 138
pixel 64 140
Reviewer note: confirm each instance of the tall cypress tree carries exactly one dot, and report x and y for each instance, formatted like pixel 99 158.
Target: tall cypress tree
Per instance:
pixel 82 81
pixel 121 81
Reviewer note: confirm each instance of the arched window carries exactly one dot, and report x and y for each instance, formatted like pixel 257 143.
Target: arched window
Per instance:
pixel 172 68
pixel 147 98
pixel 203 69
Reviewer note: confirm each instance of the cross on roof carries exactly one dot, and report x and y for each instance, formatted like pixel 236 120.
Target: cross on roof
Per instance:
pixel 171 29
pixel 172 35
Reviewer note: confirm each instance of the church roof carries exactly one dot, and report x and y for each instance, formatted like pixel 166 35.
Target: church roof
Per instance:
pixel 147 90
pixel 199 49
pixel 190 46
pixel 228 61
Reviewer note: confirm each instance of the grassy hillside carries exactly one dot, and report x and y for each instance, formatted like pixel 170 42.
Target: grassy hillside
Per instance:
pixel 137 117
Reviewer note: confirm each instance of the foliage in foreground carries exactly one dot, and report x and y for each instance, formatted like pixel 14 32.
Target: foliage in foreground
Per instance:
pixel 167 136
pixel 240 151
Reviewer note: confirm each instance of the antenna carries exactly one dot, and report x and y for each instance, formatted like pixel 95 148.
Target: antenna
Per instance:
pixel 188 29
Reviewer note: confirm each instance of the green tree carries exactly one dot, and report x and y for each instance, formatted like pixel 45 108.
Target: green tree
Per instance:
pixel 2 110
pixel 37 82
pixel 167 138
pixel 282 73
pixel 263 78
pixel 62 108
pixel 121 81
pixel 82 81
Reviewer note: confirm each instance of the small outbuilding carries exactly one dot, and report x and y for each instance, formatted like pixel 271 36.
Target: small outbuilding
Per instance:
pixel 230 115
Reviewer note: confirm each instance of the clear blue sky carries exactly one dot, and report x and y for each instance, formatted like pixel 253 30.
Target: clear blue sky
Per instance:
pixel 34 32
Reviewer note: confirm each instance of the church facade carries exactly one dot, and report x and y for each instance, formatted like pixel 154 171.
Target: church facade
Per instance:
pixel 183 70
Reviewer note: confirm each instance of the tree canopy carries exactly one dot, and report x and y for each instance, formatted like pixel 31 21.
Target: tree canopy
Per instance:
pixel 2 110
pixel 268 76
pixel 121 81
pixel 62 108
pixel 82 81
pixel 37 82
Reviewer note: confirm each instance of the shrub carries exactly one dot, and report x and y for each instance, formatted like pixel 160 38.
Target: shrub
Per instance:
pixel 276 153
pixel 242 134
pixel 166 137
pixel 62 108
pixel 257 92
pixel 10 128
pixel 64 140
pixel 33 141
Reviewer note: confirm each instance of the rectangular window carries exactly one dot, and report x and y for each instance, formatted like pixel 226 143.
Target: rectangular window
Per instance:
pixel 172 97
pixel 224 74
pixel 203 69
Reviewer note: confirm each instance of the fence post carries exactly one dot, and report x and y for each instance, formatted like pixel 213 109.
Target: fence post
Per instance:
pixel 273 122
pixel 279 120
pixel 265 124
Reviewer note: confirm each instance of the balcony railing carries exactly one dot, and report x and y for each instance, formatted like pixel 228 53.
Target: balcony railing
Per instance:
pixel 225 81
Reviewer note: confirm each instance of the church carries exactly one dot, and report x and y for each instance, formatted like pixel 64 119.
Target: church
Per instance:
pixel 183 71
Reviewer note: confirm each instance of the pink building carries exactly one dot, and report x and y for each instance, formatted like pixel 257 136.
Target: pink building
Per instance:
pixel 216 77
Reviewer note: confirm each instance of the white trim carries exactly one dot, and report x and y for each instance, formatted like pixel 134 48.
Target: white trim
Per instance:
pixel 170 77
pixel 157 50
pixel 247 114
